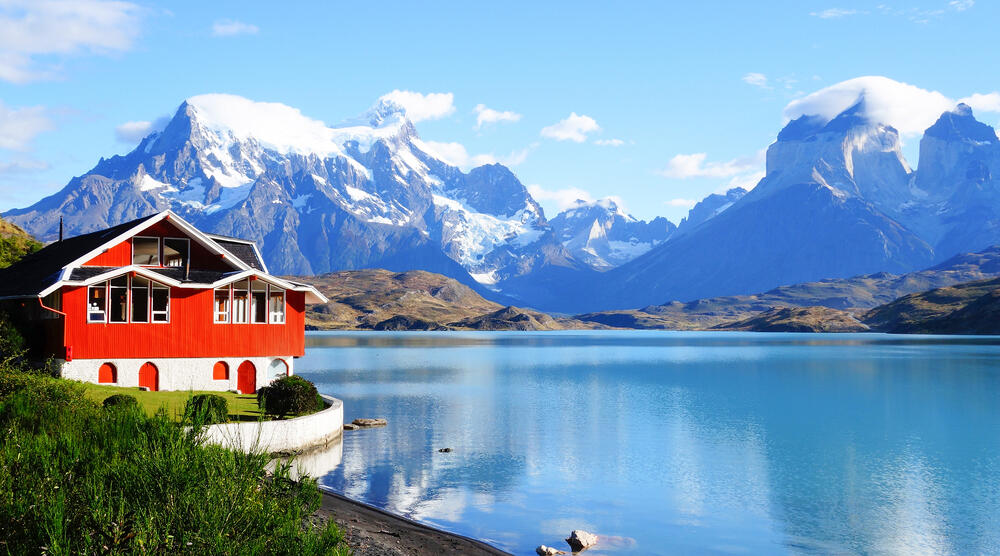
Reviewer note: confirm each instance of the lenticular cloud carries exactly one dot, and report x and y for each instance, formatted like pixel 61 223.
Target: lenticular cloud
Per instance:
pixel 905 107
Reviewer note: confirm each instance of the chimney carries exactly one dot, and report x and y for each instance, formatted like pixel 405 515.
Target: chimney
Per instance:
pixel 60 229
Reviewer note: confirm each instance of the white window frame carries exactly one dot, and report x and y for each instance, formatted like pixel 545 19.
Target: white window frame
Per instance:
pixel 253 313
pixel 153 285
pixel 246 313
pixel 229 305
pixel 149 301
pixel 284 306
pixel 104 310
pixel 128 301
pixel 159 250
pixel 163 250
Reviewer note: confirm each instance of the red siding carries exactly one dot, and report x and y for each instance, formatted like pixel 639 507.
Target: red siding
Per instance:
pixel 190 333
pixel 121 254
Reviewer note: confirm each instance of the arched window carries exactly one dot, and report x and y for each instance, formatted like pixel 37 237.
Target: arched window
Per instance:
pixel 220 371
pixel 277 369
pixel 107 374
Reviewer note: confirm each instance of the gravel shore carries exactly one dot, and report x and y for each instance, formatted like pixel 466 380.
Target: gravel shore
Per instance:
pixel 374 532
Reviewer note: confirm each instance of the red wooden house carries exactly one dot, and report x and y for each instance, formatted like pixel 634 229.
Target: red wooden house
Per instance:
pixel 159 304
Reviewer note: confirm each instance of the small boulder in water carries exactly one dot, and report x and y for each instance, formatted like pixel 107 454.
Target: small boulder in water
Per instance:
pixel 445 450
pixel 366 423
pixel 351 427
pixel 547 551
pixel 581 540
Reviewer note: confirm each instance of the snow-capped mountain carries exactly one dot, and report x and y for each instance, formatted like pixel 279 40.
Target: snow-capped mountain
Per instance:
pixel 316 198
pixel 602 235
pixel 825 209
pixel 710 207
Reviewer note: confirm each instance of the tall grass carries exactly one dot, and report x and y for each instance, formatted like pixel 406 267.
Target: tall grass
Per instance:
pixel 78 478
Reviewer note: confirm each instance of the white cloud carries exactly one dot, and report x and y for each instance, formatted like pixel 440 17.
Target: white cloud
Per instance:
pixel 133 132
pixel 747 181
pixel 683 203
pixel 756 79
pixel 989 102
pixel 609 142
pixel 19 126
pixel 562 199
pixel 22 166
pixel 909 109
pixel 231 28
pixel 457 155
pixel 420 107
pixel 33 28
pixel 574 128
pixel 833 13
pixel 486 116
pixel 684 166
pixel 961 5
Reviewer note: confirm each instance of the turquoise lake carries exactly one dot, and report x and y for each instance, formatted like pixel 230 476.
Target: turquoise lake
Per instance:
pixel 675 442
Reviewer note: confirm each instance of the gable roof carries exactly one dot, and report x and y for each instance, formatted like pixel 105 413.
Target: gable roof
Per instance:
pixel 60 263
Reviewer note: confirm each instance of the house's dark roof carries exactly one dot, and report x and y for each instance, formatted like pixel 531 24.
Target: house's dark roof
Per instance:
pixel 37 271
pixel 206 277
pixel 244 251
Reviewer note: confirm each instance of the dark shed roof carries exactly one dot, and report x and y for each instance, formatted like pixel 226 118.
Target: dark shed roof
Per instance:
pixel 244 251
pixel 39 270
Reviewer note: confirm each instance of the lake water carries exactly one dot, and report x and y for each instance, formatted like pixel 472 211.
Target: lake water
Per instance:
pixel 675 442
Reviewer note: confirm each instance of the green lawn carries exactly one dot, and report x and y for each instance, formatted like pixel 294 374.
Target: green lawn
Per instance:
pixel 242 407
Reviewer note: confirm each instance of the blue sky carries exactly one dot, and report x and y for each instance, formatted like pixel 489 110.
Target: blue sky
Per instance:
pixel 672 101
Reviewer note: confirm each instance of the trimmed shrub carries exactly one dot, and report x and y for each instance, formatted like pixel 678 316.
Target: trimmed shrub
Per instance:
pixel 207 409
pixel 120 400
pixel 289 395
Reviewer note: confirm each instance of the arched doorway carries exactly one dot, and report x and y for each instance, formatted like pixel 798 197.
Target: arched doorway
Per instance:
pixel 220 371
pixel 149 377
pixel 107 374
pixel 246 378
pixel 277 369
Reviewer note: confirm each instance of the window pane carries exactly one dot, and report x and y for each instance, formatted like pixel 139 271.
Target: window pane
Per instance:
pixel 140 299
pixel 118 306
pixel 146 251
pixel 161 304
pixel 222 305
pixel 175 251
pixel 96 303
pixel 259 299
pixel 277 306
pixel 241 302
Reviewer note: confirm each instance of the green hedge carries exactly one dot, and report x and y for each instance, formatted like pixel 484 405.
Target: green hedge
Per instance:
pixel 289 395
pixel 120 400
pixel 206 409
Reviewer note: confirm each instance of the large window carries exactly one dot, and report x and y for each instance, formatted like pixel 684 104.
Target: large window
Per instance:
pixel 222 304
pixel 258 297
pixel 118 300
pixel 175 251
pixel 146 251
pixel 161 303
pixel 140 299
pixel 111 301
pixel 241 301
pixel 97 302
pixel 277 306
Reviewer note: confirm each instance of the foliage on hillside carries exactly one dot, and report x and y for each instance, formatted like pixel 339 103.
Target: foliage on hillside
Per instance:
pixel 383 300
pixel 970 308
pixel 15 243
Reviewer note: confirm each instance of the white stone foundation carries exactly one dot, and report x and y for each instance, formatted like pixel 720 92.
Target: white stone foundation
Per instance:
pixel 179 373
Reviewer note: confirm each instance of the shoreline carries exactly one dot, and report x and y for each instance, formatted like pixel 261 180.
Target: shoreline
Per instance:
pixel 371 531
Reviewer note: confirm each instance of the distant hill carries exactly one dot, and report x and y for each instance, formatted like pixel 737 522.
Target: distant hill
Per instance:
pixel 416 300
pixel 15 243
pixel 856 294
pixel 799 319
pixel 971 308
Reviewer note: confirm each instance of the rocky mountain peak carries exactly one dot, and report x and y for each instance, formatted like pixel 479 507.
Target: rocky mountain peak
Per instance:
pixel 961 125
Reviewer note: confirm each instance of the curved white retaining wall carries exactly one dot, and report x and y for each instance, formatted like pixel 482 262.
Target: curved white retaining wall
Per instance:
pixel 287 436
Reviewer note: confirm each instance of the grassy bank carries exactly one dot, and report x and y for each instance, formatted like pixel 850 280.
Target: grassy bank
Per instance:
pixel 242 407
pixel 78 478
